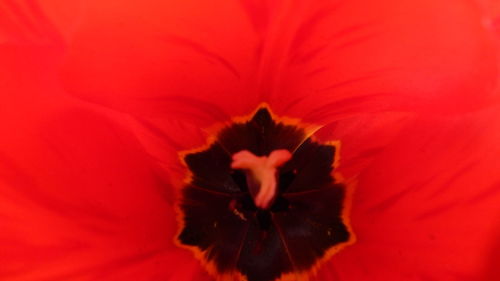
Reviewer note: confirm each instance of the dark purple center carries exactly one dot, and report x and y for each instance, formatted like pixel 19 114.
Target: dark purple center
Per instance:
pixel 304 221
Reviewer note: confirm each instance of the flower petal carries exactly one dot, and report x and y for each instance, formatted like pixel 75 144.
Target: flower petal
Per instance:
pixel 363 137
pixel 358 56
pixel 79 197
pixel 427 207
pixel 206 62
pixel 164 58
pixel 88 191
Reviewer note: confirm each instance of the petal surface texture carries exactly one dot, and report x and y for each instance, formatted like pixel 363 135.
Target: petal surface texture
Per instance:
pixel 97 98
pixel 316 59
pixel 427 205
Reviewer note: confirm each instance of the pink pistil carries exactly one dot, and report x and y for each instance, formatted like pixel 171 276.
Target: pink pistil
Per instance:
pixel 261 173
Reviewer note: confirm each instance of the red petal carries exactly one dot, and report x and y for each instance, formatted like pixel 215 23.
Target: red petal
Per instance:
pixel 359 56
pixel 427 207
pixel 165 59
pixel 490 9
pixel 79 197
pixel 207 62
pixel 363 138
pixel 180 61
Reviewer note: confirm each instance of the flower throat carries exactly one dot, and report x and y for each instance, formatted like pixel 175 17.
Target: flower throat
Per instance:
pixel 262 203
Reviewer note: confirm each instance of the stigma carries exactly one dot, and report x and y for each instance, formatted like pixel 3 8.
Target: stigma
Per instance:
pixel 261 172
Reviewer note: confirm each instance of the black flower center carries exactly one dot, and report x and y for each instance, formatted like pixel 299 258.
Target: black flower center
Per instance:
pixel 245 204
pixel 304 221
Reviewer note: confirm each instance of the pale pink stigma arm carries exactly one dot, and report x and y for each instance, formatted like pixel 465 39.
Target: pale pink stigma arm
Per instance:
pixel 263 171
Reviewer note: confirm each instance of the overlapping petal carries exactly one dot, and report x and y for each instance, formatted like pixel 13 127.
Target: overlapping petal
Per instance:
pixel 323 59
pixel 86 192
pixel 80 200
pixel 427 207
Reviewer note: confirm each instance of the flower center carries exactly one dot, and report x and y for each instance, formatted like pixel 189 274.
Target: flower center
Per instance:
pixel 255 210
pixel 261 174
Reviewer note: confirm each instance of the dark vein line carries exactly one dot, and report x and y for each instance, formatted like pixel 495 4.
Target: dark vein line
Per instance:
pixel 215 192
pixel 282 238
pixel 300 193
pixel 223 148
pixel 202 50
pixel 238 254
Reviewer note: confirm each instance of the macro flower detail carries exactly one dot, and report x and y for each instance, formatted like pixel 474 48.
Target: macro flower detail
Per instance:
pixel 304 223
pixel 98 98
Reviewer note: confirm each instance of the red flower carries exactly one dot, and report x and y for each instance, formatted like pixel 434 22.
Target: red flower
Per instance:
pixel 98 98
